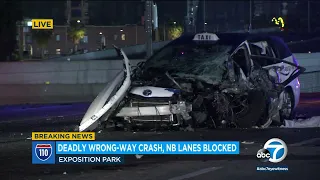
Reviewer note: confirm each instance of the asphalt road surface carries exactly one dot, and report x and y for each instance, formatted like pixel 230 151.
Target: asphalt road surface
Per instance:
pixel 18 122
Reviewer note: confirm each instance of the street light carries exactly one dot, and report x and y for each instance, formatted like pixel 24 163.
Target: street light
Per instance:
pixel 205 23
pixel 121 30
pixel 78 21
pixel 100 33
pixel 174 22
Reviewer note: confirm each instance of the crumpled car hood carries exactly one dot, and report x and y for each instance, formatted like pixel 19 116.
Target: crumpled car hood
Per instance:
pixel 102 98
pixel 109 98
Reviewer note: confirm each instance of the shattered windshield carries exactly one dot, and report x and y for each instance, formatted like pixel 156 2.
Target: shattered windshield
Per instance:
pixel 199 61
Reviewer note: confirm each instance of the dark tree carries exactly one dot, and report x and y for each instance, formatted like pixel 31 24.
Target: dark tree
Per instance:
pixel 42 38
pixel 76 32
pixel 10 14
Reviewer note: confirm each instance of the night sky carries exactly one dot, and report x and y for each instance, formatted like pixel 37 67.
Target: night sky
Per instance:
pixel 128 12
pixel 105 12
pixel 220 15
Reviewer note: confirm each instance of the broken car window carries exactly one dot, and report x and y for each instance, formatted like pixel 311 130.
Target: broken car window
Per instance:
pixel 193 60
pixel 240 58
pixel 256 50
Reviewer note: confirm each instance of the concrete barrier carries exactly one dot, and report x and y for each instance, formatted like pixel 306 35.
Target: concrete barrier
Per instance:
pixel 79 81
pixel 48 93
pixel 311 61
pixel 310 80
pixel 55 82
pixel 60 72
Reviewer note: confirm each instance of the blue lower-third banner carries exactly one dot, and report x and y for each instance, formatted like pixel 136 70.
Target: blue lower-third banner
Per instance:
pixel 147 147
pixel 89 159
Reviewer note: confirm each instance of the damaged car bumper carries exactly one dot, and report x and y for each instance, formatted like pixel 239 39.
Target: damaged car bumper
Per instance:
pixel 157 110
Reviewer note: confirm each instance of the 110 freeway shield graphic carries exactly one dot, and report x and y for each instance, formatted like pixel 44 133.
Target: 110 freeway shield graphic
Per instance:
pixel 43 151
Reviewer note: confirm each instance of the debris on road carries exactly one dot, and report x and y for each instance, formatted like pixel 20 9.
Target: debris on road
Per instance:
pixel 303 123
pixel 247 142
pixel 138 156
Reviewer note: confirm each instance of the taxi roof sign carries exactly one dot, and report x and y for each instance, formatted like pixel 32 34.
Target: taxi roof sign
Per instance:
pixel 205 37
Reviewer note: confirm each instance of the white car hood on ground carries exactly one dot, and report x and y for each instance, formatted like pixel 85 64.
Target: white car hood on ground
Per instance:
pixel 303 123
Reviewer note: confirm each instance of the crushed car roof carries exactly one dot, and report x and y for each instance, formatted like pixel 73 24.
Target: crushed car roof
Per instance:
pixel 235 39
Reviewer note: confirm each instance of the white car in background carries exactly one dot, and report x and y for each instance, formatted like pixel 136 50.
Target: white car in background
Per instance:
pixel 225 80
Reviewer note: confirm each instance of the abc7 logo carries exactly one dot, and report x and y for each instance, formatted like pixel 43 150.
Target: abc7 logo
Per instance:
pixel 263 155
pixel 274 150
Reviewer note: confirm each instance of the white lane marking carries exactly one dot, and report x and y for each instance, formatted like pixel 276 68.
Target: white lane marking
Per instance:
pixel 196 173
pixel 305 142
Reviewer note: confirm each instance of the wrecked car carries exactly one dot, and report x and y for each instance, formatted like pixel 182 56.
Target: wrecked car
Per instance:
pixel 206 80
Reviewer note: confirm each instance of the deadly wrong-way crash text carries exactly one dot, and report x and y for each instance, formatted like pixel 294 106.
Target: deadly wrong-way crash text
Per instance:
pixel 202 80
